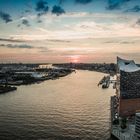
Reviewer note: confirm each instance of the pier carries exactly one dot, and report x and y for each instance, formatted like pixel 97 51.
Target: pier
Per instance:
pixel 105 82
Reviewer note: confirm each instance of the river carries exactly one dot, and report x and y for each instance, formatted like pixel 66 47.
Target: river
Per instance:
pixel 69 108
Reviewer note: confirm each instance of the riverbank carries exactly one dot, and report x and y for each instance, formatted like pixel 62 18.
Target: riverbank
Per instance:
pixel 5 89
pixel 108 68
pixel 35 75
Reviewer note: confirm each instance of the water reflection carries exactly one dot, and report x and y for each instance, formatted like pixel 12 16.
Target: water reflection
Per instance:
pixel 72 107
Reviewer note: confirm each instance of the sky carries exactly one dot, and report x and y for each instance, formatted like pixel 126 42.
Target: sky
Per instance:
pixel 61 31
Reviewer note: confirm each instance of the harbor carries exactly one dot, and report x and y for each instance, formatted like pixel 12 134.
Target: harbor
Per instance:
pixel 25 74
pixel 11 77
pixel 106 81
pixel 123 113
pixel 69 69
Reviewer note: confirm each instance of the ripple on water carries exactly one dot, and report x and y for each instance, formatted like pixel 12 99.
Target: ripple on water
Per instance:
pixel 71 108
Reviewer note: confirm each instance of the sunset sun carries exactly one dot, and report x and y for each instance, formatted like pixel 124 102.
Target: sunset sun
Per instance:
pixel 75 59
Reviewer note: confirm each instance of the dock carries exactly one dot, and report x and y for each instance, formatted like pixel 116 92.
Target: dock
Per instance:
pixel 105 82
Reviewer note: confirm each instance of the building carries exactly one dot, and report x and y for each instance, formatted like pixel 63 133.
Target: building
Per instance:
pixel 128 90
pixel 125 105
pixel 137 125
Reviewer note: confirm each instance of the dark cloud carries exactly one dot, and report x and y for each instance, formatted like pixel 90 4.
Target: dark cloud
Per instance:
pixel 76 1
pixel 113 4
pixel 119 42
pixel 25 22
pixel 116 4
pixel 29 5
pixel 58 10
pixel 19 46
pixel 83 1
pixel 27 11
pixel 22 46
pixel 61 1
pixel 5 17
pixel 134 9
pixel 55 40
pixel 42 7
pixel 10 40
pixel 127 42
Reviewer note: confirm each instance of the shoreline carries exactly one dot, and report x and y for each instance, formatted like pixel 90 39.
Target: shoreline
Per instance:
pixel 6 89
pixel 11 79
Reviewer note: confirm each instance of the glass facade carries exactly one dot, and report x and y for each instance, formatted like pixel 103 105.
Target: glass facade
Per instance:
pixel 129 85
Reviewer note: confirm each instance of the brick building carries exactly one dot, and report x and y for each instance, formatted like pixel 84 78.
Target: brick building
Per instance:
pixel 128 89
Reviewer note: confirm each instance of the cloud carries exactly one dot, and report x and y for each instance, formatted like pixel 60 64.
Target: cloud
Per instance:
pixel 27 11
pixel 119 42
pixel 116 4
pixel 25 22
pixel 55 40
pixel 132 55
pixel 5 17
pixel 134 9
pixel 22 46
pixel 42 7
pixel 77 1
pixel 57 10
pixel 127 42
pixel 113 4
pixel 11 40
pixel 138 22
pixel 39 21
pixel 61 1
pixel 93 26
pixel 83 1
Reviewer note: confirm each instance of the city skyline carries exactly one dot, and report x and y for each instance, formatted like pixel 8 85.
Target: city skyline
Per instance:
pixel 69 31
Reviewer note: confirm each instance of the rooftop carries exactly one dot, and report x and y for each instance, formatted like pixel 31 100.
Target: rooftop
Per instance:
pixel 127 65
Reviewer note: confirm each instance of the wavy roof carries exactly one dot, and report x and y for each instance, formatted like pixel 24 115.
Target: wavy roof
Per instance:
pixel 127 65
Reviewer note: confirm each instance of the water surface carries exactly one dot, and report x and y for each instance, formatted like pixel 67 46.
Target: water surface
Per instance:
pixel 70 108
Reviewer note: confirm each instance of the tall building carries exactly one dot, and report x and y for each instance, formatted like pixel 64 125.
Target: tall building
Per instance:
pixel 137 125
pixel 128 89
